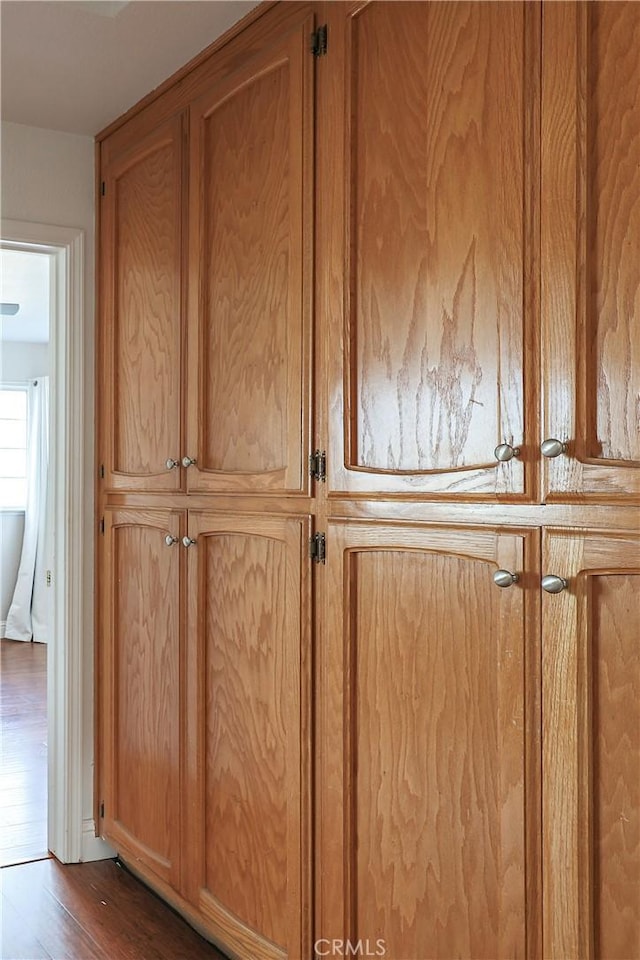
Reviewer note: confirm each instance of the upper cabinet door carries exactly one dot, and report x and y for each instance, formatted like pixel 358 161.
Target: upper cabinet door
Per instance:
pixel 591 248
pixel 428 171
pixel 142 329
pixel 251 190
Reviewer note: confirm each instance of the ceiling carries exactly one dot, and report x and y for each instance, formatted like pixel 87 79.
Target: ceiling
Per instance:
pixel 76 65
pixel 24 279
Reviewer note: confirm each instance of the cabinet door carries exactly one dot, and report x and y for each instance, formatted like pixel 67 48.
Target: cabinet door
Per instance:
pixel 427 245
pixel 248 766
pixel 140 688
pixel 591 736
pixel 141 318
pixel 429 744
pixel 591 249
pixel 250 284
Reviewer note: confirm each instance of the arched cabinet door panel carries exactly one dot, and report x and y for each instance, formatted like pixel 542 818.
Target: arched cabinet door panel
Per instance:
pixel 141 706
pixel 429 749
pixel 142 328
pixel 248 761
pixel 251 205
pixel 427 246
pixel 591 737
pixel 591 250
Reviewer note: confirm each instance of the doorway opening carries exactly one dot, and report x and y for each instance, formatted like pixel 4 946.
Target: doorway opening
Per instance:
pixel 71 826
pixel 25 551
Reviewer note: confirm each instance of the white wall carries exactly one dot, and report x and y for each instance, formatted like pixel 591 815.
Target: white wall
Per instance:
pixel 18 361
pixel 23 361
pixel 48 177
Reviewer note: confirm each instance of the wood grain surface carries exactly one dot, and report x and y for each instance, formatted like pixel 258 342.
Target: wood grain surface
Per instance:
pixel 590 250
pixel 615 654
pixel 437 265
pixel 90 911
pixel 248 679
pixel 143 311
pixel 426 692
pixel 23 740
pixel 591 738
pixel 251 181
pixel 143 706
pixel 613 231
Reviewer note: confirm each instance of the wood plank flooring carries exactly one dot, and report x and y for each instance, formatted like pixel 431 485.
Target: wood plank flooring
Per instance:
pixel 90 911
pixel 23 751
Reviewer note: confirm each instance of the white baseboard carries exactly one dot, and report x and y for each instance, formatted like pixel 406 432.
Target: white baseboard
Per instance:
pixel 93 848
pixel 3 627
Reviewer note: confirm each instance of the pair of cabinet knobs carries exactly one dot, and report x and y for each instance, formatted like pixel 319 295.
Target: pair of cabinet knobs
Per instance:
pixel 171 464
pixel 550 583
pixel 186 541
pixel 548 448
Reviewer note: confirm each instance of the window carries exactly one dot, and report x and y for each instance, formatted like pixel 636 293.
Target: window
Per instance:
pixel 13 446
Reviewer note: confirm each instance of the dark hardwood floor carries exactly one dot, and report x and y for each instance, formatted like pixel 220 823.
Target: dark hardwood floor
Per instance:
pixel 23 739
pixel 90 911
pixel 51 911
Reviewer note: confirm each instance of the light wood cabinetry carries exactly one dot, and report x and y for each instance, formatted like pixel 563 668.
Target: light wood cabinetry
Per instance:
pixel 591 249
pixel 591 709
pixel 430 188
pixel 405 254
pixel 429 712
pixel 251 181
pixel 141 671
pixel 248 760
pixel 141 310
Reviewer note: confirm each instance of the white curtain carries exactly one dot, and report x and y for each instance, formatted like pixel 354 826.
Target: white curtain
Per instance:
pixel 28 615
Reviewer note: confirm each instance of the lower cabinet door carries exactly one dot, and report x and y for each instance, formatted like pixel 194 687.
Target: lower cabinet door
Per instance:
pixel 429 753
pixel 140 689
pixel 591 736
pixel 248 763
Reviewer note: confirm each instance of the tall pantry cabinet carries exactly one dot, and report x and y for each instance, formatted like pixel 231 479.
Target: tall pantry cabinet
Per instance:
pixel 368 483
pixel 205 372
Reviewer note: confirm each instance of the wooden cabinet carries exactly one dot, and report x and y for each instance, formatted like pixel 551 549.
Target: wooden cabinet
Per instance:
pixel 429 736
pixel 248 760
pixel 251 231
pixel 141 310
pixel 407 239
pixel 228 408
pixel 141 671
pixel 591 709
pixel 591 249
pixel 429 234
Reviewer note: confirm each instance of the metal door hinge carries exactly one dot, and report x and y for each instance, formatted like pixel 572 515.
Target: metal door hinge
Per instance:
pixel 102 525
pixel 48 578
pixel 103 188
pixel 318 465
pixel 318 548
pixel 102 471
pixel 319 41
pixel 102 809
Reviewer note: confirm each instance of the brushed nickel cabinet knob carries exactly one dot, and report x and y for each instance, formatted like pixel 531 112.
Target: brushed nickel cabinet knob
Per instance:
pixel 505 452
pixel 553 584
pixel 188 461
pixel 171 464
pixel 188 542
pixel 551 448
pixel 169 540
pixel 504 578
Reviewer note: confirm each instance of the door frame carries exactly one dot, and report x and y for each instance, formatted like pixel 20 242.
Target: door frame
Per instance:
pixel 70 837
